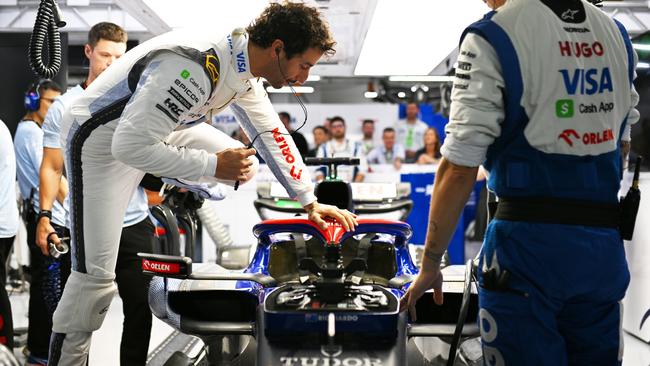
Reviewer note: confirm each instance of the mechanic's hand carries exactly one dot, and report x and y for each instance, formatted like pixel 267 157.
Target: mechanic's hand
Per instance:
pixel 234 164
pixel 430 277
pixel 318 211
pixel 43 229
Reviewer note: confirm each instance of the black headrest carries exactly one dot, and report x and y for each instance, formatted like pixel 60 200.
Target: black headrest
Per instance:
pixel 335 193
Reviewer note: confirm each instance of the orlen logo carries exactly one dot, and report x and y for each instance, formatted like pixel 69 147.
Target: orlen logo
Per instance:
pixel 286 153
pixel 588 138
pixel 587 81
pixel 581 49
pixel 161 267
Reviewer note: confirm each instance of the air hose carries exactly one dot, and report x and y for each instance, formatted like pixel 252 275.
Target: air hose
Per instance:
pixel 47 24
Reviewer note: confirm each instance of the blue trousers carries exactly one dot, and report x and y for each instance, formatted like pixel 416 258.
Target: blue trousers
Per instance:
pixel 561 303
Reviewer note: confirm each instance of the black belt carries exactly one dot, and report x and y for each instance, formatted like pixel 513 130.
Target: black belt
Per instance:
pixel 549 210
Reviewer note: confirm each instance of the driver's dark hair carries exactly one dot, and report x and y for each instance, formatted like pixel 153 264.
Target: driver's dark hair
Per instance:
pixel 297 25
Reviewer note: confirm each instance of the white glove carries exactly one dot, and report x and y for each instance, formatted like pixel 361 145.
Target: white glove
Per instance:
pixel 214 192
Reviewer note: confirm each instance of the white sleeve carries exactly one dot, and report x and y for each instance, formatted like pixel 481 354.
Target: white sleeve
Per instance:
pixel 256 115
pixel 476 104
pixel 158 106
pixel 634 115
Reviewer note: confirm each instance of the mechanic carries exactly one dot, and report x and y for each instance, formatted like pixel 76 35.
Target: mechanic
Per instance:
pixel 116 130
pixel 9 222
pixel 549 118
pixel 28 145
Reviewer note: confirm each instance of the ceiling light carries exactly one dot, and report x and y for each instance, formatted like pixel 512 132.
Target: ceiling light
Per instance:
pixel 370 94
pixel 286 89
pixel 422 79
pixel 313 78
pixel 643 65
pixel 401 95
pixel 413 39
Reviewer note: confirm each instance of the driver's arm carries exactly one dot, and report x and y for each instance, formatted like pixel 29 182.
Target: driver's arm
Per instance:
pixel 256 114
pixel 157 108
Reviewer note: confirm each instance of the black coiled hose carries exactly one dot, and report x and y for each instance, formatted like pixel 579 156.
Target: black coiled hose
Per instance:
pixel 48 21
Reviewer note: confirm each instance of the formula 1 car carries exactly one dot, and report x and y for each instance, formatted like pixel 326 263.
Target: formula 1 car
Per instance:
pixel 314 297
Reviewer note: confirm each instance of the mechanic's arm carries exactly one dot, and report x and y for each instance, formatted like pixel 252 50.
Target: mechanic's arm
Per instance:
pixel 157 107
pixel 475 122
pixel 632 118
pixel 50 176
pixel 256 114
pixel 452 187
pixel 63 190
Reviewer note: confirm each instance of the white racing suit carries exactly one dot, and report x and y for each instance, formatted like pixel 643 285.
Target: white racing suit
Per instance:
pixel 120 128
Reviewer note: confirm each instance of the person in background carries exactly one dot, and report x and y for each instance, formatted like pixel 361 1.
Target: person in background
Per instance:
pixel 28 145
pixel 326 123
pixel 340 146
pixel 297 137
pixel 430 153
pixel 389 152
pixel 368 131
pixel 8 229
pixel 410 132
pixel 321 136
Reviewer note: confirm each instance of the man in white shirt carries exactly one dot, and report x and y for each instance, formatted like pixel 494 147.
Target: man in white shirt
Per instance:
pixel 389 152
pixel 368 131
pixel 8 228
pixel 340 146
pixel 44 284
pixel 410 132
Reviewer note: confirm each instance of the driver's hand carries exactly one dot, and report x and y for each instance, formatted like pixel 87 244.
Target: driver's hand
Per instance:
pixel 429 277
pixel 43 229
pixel 234 164
pixel 318 211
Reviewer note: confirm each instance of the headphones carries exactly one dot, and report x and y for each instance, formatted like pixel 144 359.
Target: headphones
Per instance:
pixel 32 99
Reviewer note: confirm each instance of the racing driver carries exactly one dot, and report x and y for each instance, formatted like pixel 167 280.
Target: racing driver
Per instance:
pixel 118 129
